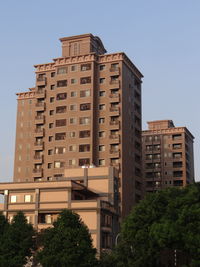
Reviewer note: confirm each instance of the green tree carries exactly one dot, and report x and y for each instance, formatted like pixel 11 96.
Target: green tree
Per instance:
pixel 67 243
pixel 17 242
pixel 3 226
pixel 167 220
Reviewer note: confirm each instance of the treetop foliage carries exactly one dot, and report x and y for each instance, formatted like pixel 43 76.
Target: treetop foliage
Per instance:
pixel 68 243
pixel 168 220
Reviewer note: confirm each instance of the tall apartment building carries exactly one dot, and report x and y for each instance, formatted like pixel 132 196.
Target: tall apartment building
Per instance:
pixel 167 155
pixel 85 109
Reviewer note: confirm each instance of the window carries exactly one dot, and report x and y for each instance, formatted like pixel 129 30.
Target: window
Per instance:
pixel 20 147
pixel 41 77
pixel 62 70
pixel 50 138
pixel 74 67
pixel 50 125
pixel 52 87
pixel 72 162
pixel 85 67
pixel 50 152
pixel 85 161
pixel 61 109
pixel 177 173
pixel 72 134
pixel 29 219
pixel 102 80
pixel 101 120
pixel 73 94
pixel 176 136
pixel 61 122
pixel 76 48
pixel 51 99
pixel 177 155
pixel 72 120
pixel 85 106
pixel 177 164
pixel 102 162
pixel 72 148
pixel 73 107
pixel 84 148
pixel 49 165
pixel 114 67
pixel 60 136
pixel 53 74
pixel 102 93
pixel 62 83
pixel 114 161
pixel 13 199
pixel 51 112
pixel 85 93
pixel 102 67
pixel 177 146
pixel 102 107
pixel 84 134
pixel 59 164
pixel 27 198
pixel 61 96
pixel 60 150
pixel 102 148
pixel 85 80
pixel 102 134
pixel 84 120
pixel 114 79
pixel 48 219
pixel 73 81
pixel 114 148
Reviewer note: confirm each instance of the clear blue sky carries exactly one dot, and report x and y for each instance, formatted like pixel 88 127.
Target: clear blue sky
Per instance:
pixel 162 38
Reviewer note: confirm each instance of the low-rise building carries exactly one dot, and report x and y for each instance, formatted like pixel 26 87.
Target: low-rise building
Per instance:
pixel 90 192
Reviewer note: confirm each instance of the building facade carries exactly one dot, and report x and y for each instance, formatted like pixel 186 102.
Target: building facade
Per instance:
pixel 90 192
pixel 168 158
pixel 85 109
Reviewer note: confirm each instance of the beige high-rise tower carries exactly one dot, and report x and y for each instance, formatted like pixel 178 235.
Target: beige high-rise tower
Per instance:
pixel 168 158
pixel 84 109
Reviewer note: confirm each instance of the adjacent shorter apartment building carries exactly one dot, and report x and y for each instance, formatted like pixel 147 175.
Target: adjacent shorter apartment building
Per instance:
pixel 85 109
pixel 167 156
pixel 90 192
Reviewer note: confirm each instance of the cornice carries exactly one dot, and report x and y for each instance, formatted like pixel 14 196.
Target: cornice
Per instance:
pixel 75 59
pixel 173 130
pixel 89 57
pixel 25 95
pixel 45 67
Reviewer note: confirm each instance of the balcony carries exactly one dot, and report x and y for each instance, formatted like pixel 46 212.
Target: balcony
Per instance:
pixel 39 132
pixel 39 119
pixel 38 146
pixel 115 152
pixel 115 70
pixel 114 97
pixel 37 172
pixel 115 109
pixel 116 165
pixel 114 84
pixel 41 81
pixel 40 106
pixel 40 94
pixel 38 158
pixel 114 122
pixel 115 138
